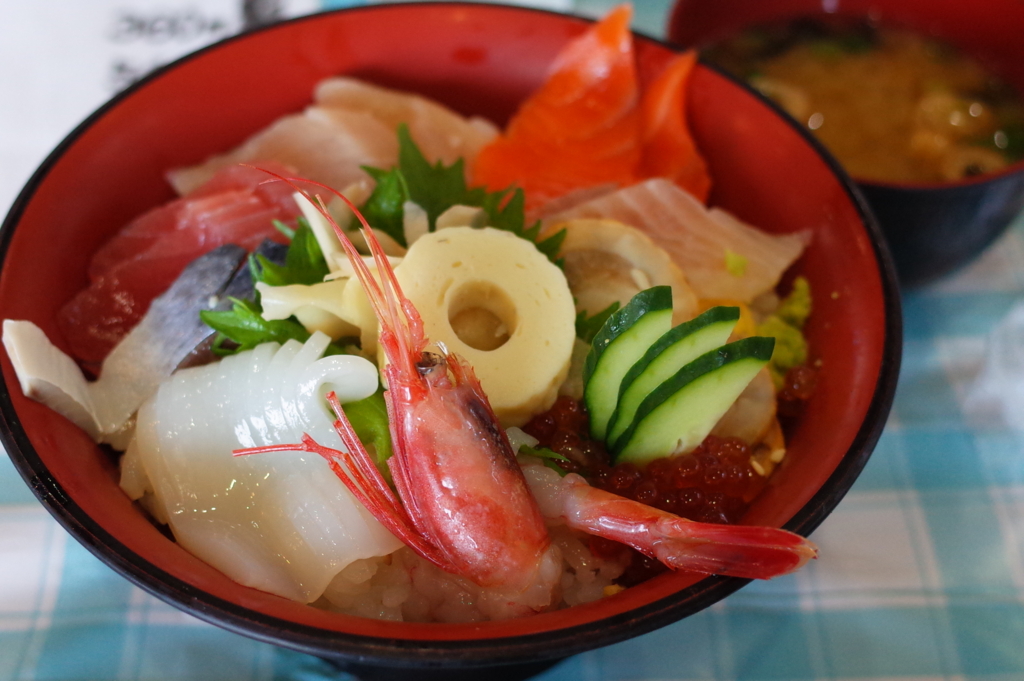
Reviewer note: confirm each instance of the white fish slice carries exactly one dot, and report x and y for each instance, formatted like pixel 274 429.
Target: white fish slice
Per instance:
pixel 351 124
pixel 441 134
pixel 328 148
pixel 701 241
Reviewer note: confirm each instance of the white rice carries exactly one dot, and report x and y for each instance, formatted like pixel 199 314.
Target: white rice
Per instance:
pixel 404 587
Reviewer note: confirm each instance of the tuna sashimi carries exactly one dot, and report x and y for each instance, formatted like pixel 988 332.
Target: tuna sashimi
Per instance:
pixel 350 125
pixel 237 206
pixel 590 124
pixel 722 257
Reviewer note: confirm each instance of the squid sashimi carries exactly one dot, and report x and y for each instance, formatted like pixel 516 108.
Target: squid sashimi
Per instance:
pixel 723 257
pixel 142 260
pixel 350 125
pixel 589 124
pixel 281 523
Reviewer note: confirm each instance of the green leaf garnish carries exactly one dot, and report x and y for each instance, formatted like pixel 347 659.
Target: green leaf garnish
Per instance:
pixel 245 327
pixel 369 418
pixel 549 457
pixel 436 188
pixel 510 216
pixel 287 231
pixel 587 327
pixel 304 262
pixel 384 209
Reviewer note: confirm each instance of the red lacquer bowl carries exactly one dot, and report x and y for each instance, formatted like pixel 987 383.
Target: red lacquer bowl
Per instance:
pixel 480 59
pixel 932 228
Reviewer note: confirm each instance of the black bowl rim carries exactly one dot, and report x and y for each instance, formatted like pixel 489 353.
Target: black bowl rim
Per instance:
pixel 438 653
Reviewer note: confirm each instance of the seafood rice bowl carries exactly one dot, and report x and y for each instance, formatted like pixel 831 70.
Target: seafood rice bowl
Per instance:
pixel 421 358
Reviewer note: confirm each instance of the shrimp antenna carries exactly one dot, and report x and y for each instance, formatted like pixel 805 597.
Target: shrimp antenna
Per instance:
pixel 384 304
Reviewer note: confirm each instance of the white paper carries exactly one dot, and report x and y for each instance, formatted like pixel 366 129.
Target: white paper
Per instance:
pixel 61 59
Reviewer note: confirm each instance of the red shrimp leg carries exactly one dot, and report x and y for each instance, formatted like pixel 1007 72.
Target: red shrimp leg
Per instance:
pixel 734 550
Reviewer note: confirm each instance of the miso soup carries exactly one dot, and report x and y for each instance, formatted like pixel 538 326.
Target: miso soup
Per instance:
pixel 890 104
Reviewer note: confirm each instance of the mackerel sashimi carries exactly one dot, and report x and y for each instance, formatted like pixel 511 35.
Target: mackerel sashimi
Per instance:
pixel 237 206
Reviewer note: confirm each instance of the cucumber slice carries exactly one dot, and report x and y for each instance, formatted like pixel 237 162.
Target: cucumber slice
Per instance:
pixel 679 413
pixel 668 355
pixel 617 346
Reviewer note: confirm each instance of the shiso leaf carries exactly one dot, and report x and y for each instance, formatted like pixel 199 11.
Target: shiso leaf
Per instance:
pixel 436 188
pixel 384 209
pixel 243 326
pixel 369 418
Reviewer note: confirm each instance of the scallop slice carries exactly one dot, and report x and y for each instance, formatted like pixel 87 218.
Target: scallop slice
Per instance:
pixel 280 522
pixel 607 262
pixel 722 256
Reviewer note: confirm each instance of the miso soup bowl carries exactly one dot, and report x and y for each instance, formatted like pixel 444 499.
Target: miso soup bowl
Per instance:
pixel 480 59
pixel 932 228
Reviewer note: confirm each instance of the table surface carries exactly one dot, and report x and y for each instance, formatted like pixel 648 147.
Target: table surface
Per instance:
pixel 921 574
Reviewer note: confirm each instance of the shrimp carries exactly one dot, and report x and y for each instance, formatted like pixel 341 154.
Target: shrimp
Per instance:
pixel 463 501
pixel 735 550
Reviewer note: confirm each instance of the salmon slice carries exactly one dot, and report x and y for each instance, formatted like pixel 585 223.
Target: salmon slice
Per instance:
pixel 668 147
pixel 237 206
pixel 581 128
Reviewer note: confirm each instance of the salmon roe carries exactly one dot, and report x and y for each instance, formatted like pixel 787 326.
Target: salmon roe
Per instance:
pixel 797 388
pixel 713 484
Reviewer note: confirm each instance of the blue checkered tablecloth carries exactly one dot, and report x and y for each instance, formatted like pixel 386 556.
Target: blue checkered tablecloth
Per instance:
pixel 921 574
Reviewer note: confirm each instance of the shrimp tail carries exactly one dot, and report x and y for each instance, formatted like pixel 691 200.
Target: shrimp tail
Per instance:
pixel 681 544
